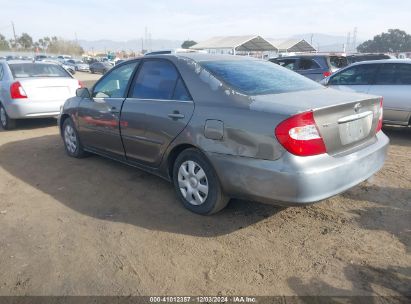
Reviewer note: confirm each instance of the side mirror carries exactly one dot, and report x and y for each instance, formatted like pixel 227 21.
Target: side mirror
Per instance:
pixel 83 93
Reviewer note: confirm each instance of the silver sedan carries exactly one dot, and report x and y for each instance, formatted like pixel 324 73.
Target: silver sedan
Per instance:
pixel 222 127
pixel 33 90
pixel 388 78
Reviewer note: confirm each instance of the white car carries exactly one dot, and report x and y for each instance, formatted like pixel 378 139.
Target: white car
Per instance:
pixel 33 90
pixel 389 78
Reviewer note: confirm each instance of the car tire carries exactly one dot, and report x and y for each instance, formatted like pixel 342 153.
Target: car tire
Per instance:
pixel 91 71
pixel 196 183
pixel 6 122
pixel 71 139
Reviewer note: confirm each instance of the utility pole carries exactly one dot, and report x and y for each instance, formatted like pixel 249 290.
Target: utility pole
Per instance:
pixel 14 34
pixel 354 41
pixel 347 45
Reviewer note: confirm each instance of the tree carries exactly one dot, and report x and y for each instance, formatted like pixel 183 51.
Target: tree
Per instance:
pixel 4 44
pixel 188 43
pixel 25 41
pixel 394 41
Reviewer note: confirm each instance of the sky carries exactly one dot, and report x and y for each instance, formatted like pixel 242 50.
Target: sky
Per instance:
pixel 122 20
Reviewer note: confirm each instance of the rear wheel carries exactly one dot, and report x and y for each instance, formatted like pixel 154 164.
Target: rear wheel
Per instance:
pixel 72 143
pixel 197 184
pixel 6 122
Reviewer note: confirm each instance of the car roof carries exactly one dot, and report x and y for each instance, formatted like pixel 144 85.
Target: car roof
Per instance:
pixel 308 56
pixel 202 57
pixel 408 61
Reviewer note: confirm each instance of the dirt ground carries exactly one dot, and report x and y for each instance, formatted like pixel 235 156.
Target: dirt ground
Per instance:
pixel 96 227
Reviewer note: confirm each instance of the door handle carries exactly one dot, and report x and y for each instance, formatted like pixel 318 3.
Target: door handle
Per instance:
pixel 176 115
pixel 114 110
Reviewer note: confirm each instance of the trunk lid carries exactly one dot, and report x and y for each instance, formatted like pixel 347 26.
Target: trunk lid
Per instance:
pixel 345 121
pixel 49 88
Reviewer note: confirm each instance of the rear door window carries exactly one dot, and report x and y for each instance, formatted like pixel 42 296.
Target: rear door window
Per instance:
pixel 356 75
pixel 308 64
pixel 157 79
pixel 404 74
pixel 386 75
pixel 394 74
pixel 290 64
pixel 338 62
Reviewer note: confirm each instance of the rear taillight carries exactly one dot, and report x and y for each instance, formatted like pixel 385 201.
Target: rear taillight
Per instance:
pixel 379 125
pixel 17 91
pixel 326 74
pixel 299 135
pixel 80 84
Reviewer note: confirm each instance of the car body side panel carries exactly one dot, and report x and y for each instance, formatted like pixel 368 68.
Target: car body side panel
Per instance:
pixel 98 125
pixel 397 102
pixel 147 129
pixel 293 180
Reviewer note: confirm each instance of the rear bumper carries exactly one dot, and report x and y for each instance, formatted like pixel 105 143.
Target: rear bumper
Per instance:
pixel 293 180
pixel 25 108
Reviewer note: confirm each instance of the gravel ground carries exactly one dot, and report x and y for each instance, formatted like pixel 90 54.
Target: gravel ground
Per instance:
pixel 96 227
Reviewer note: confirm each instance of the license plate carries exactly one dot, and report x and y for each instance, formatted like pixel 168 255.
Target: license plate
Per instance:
pixel 352 130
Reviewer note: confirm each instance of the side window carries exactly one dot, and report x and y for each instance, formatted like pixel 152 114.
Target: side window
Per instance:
pixel 288 63
pixel 156 80
pixel 356 75
pixel 114 84
pixel 308 64
pixel 386 75
pixel 180 91
pixel 403 74
pixel 1 72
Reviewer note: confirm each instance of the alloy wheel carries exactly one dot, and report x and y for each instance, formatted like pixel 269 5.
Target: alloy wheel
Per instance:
pixel 3 117
pixel 70 139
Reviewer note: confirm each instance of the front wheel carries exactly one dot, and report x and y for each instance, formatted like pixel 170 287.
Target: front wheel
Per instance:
pixel 197 184
pixel 6 122
pixel 72 143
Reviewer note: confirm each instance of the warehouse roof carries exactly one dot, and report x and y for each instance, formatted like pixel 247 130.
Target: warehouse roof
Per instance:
pixel 239 43
pixel 292 45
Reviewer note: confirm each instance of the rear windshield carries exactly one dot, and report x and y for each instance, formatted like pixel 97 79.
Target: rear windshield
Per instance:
pixel 258 77
pixel 338 62
pixel 26 70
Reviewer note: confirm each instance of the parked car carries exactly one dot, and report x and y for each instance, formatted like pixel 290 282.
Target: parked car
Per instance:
pixel 173 51
pixel 388 78
pixel 78 65
pixel 100 67
pixel 315 67
pixel 366 57
pixel 225 127
pixel 33 90
pixel 40 57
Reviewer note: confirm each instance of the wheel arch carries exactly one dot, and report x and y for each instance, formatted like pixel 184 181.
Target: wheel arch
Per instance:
pixel 174 153
pixel 62 120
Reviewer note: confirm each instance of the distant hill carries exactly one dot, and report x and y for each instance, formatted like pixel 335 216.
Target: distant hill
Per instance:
pixel 328 43
pixel 134 45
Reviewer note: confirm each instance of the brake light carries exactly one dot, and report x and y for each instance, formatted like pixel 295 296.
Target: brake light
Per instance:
pixel 379 125
pixel 80 84
pixel 299 135
pixel 326 74
pixel 17 91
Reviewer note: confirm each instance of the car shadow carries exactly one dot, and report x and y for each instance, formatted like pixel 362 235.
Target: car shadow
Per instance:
pixel 400 136
pixel 30 124
pixel 395 281
pixel 107 190
pixel 391 211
